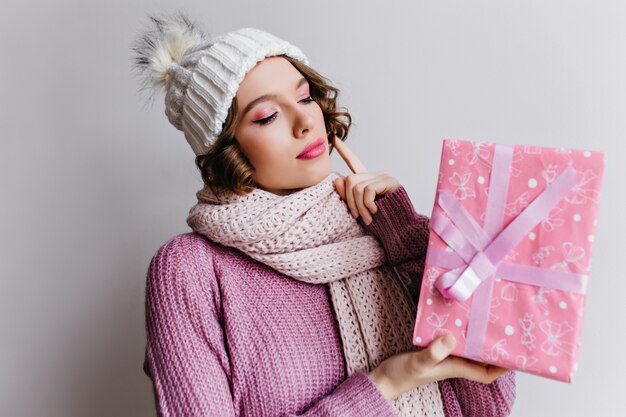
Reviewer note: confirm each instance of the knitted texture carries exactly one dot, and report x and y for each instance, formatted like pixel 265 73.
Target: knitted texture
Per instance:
pixel 310 236
pixel 201 74
pixel 230 336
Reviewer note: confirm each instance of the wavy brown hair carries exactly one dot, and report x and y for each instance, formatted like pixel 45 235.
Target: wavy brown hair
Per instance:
pixel 225 167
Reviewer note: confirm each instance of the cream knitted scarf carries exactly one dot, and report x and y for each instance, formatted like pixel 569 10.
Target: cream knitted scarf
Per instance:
pixel 310 236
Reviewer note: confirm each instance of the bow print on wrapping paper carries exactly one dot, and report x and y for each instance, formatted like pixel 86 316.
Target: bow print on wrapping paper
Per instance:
pixel 438 322
pixel 478 253
pixel 553 345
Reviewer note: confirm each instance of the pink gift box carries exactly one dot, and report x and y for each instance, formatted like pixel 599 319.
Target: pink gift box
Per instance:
pixel 509 254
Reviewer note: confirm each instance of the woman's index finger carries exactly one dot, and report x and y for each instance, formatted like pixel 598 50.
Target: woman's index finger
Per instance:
pixel 354 163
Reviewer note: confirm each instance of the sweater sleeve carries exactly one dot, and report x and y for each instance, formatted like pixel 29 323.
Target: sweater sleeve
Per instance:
pixel 186 356
pixel 403 234
pixel 474 399
pixel 356 396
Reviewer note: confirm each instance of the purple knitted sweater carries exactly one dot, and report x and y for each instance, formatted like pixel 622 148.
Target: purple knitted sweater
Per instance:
pixel 229 336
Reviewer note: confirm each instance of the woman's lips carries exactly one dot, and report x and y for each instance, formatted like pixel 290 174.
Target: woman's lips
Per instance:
pixel 313 149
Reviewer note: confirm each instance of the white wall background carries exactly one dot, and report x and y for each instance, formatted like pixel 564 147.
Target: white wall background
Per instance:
pixel 92 183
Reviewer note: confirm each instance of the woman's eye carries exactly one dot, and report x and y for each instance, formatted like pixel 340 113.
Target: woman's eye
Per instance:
pixel 273 116
pixel 266 120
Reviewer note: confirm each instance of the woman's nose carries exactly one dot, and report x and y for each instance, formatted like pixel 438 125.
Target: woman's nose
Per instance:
pixel 303 122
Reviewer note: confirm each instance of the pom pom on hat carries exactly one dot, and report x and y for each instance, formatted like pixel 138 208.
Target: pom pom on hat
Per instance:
pixel 201 76
pixel 157 49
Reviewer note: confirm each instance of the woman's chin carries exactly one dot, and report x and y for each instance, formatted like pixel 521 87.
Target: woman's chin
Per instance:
pixel 307 177
pixel 318 173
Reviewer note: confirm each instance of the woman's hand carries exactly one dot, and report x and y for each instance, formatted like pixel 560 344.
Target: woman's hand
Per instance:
pixel 405 371
pixel 359 190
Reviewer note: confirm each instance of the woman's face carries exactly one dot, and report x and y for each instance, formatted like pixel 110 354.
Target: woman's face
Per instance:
pixel 277 120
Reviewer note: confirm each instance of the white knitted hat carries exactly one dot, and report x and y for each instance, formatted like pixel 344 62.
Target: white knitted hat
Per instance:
pixel 201 76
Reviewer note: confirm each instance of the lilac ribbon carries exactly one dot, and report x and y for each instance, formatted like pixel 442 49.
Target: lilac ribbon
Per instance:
pixel 478 252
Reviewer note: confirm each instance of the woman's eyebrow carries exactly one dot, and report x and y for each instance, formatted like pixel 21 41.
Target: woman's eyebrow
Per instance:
pixel 266 97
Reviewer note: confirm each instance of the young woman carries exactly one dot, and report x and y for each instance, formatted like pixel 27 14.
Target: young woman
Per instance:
pixel 296 292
